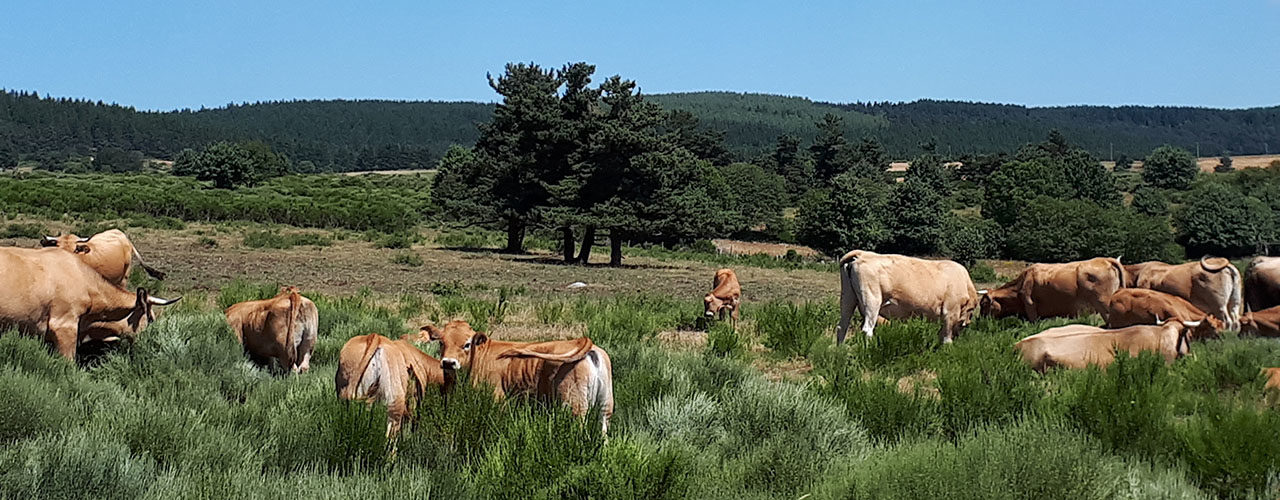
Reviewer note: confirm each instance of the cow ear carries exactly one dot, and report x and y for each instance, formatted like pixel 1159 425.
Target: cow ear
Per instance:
pixel 479 339
pixel 81 248
pixel 432 332
pixel 48 241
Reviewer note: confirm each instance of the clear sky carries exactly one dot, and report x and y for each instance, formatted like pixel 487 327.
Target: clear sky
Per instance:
pixel 176 54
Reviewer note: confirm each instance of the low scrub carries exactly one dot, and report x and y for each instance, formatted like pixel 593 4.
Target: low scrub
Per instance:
pixel 279 241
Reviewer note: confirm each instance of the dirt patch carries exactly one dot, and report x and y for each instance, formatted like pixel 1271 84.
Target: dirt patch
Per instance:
pixel 790 370
pixel 921 382
pixel 683 340
pixel 736 247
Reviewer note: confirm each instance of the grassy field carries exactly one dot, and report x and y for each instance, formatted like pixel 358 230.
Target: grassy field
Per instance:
pixel 771 410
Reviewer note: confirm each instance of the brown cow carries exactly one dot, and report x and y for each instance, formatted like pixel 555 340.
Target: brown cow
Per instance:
pixel 1078 350
pixel 575 372
pixel 1264 323
pixel 375 368
pixel 1262 283
pixel 109 252
pixel 1139 306
pixel 1212 285
pixel 1273 385
pixel 897 286
pixel 282 328
pixel 725 294
pixel 53 295
pixel 1056 290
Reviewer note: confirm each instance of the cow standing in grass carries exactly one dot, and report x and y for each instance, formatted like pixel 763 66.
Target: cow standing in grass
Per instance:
pixel 1057 290
pixel 1213 285
pixel 725 296
pixel 53 295
pixel 574 372
pixel 1262 283
pixel 373 368
pixel 281 329
pixel 110 253
pixel 897 286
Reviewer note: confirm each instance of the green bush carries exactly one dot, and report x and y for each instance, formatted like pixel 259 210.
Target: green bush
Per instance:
pixel 724 341
pixel 1126 407
pixel 983 273
pixel 1051 230
pixel 278 241
pixel 24 230
pixel 1233 453
pixel 74 464
pixel 1170 167
pixel 407 258
pixel 395 241
pixel 791 329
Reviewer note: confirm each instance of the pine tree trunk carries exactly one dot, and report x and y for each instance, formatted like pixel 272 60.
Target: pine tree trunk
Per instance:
pixel 515 236
pixel 588 240
pixel 615 248
pixel 567 242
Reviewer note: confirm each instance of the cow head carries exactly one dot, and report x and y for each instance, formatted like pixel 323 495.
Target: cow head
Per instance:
pixel 1247 324
pixel 1208 329
pixel 67 242
pixel 458 343
pixel 128 321
pixel 712 305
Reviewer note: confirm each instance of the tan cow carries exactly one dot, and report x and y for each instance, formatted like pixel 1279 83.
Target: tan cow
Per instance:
pixel 574 372
pixel 1139 306
pixel 373 368
pixel 726 295
pixel 1212 284
pixel 109 252
pixel 1057 290
pixel 282 328
pixel 1272 389
pixel 897 286
pixel 1262 283
pixel 1264 323
pixel 1078 350
pixel 53 295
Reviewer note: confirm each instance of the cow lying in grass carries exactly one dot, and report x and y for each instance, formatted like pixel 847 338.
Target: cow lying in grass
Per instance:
pixel 1264 323
pixel 1056 290
pixel 395 373
pixel 1078 346
pixel 281 329
pixel 1139 306
pixel 574 372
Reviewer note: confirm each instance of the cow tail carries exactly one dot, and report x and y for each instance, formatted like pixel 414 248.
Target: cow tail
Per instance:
pixel 151 271
pixel 295 303
pixel 850 288
pixel 1235 294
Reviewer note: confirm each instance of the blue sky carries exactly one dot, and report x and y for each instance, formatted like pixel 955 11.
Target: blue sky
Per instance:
pixel 167 55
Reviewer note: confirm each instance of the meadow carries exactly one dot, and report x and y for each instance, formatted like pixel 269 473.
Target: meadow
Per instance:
pixel 771 410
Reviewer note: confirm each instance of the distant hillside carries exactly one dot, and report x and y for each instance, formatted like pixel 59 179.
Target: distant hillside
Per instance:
pixel 349 135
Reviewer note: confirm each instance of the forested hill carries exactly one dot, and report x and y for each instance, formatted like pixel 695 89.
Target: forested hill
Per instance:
pixel 371 135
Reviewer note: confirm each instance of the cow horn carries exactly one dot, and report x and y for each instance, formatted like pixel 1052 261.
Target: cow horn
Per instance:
pixel 1190 324
pixel 983 291
pixel 84 240
pixel 157 301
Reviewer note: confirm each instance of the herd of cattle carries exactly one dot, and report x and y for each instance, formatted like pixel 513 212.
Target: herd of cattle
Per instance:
pixel 73 291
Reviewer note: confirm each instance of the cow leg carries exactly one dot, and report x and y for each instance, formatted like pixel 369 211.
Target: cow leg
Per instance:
pixel 870 308
pixel 64 334
pixel 304 352
pixel 847 307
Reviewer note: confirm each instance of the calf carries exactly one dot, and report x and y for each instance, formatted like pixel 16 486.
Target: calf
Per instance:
pixel 574 372
pixel 375 368
pixel 280 329
pixel 1078 350
pixel 1213 285
pixel 897 286
pixel 110 253
pixel 726 295
pixel 1056 290
pixel 1264 323
pixel 1139 306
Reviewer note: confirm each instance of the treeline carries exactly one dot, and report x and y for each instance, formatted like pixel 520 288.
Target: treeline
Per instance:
pixel 59 133
pixel 341 135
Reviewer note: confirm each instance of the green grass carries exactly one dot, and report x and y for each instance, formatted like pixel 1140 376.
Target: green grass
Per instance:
pixel 24 230
pixel 181 413
pixel 407 258
pixel 279 241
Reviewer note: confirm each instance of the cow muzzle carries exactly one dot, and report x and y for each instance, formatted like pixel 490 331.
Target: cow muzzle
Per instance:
pixel 449 364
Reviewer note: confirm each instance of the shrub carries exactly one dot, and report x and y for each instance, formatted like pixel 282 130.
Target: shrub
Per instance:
pixel 24 230
pixel 75 464
pixel 1126 407
pixel 1233 452
pixel 853 214
pixel 207 242
pixel 967 239
pixel 278 241
pixel 30 406
pixel 791 329
pixel 396 241
pixel 407 258
pixel 724 341
pixel 1223 221
pixel 1169 167
pixel 983 273
pixel 1051 230
pixel 240 290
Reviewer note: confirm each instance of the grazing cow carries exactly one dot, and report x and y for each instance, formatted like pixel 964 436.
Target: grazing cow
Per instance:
pixel 53 295
pixel 1213 285
pixel 575 372
pixel 1056 290
pixel 1139 306
pixel 897 286
pixel 1264 323
pixel 375 368
pixel 1273 385
pixel 1078 350
pixel 726 295
pixel 1262 283
pixel 109 252
pixel 282 328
